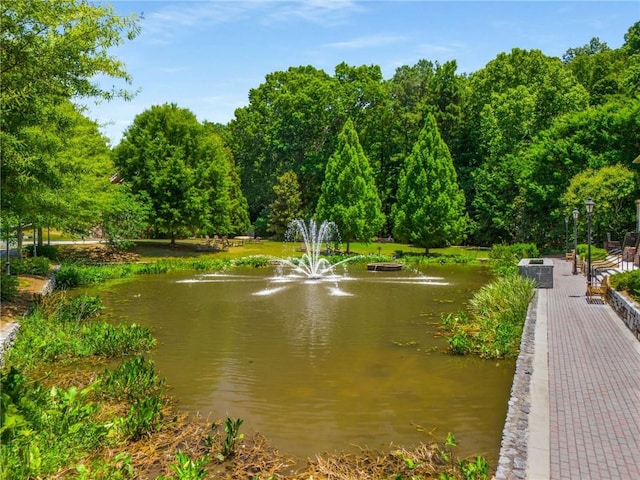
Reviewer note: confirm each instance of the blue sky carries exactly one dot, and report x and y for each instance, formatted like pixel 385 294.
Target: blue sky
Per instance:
pixel 207 55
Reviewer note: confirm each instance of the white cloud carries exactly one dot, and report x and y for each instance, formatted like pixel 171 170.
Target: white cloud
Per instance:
pixel 368 42
pixel 161 25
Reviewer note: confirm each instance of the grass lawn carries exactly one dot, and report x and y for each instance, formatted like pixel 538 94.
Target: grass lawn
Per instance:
pixel 156 249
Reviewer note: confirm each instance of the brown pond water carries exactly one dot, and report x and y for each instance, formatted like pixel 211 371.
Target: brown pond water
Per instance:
pixel 323 366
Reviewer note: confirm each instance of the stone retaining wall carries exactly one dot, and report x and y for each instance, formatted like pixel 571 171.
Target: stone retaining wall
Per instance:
pixel 512 463
pixel 626 309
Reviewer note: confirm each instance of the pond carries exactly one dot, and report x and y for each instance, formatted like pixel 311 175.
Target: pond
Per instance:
pixel 321 366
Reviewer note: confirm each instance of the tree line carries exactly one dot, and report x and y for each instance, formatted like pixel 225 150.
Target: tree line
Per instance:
pixel 429 156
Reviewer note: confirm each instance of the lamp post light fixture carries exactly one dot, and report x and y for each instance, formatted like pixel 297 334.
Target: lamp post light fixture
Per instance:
pixel 575 240
pixel 566 233
pixel 589 206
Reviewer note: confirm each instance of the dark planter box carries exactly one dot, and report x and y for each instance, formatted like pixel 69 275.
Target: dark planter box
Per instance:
pixel 538 269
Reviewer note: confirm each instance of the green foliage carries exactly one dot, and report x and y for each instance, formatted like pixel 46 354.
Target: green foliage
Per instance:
pixel 135 378
pixel 52 52
pixel 118 468
pixel 188 469
pixel 60 328
pixel 597 253
pixel 613 189
pixel 125 217
pixel 78 309
pixel 430 206
pixel 144 417
pixel 287 205
pixel 627 281
pixel 47 251
pixel 31 266
pixel 44 429
pixel 493 326
pixel 71 275
pixel 8 287
pixel 505 258
pixel 252 261
pixel 232 437
pixel 349 196
pixel 181 167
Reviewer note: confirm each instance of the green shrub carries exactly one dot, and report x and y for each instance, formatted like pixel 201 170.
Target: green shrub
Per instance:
pixel 47 251
pixel 44 338
pixel 31 266
pixel 597 253
pixel 8 287
pixel 627 281
pixel 71 275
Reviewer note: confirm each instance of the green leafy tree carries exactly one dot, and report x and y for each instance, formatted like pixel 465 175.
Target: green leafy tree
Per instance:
pixel 431 207
pixel 52 53
pixel 287 205
pixel 167 155
pixel 291 123
pixel 239 208
pixel 614 189
pixel 125 217
pixel 349 196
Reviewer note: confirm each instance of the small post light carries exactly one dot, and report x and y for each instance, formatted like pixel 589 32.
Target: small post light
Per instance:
pixel 575 240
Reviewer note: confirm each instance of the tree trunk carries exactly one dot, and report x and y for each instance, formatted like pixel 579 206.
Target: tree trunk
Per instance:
pixel 426 251
pixel 40 237
pixel 19 235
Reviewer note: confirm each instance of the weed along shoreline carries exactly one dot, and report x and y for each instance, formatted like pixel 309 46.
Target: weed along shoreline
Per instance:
pixel 225 452
pixel 9 328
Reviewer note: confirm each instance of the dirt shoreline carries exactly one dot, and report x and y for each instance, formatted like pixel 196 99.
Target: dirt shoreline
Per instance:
pixel 29 286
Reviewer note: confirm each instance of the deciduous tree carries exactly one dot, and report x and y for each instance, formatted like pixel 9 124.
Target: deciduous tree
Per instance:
pixel 181 166
pixel 287 205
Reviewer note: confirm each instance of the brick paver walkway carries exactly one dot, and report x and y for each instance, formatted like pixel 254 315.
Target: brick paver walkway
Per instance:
pixel 594 386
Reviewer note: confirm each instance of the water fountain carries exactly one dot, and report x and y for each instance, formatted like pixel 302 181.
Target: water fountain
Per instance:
pixel 311 264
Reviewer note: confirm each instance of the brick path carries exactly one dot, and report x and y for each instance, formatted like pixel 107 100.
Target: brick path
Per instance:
pixel 593 387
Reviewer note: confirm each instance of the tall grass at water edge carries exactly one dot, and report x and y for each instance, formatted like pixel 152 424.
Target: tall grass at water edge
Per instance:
pixel 71 275
pixel 492 326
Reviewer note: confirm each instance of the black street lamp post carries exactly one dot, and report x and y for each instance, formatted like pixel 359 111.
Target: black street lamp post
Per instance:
pixel 575 241
pixel 589 206
pixel 566 233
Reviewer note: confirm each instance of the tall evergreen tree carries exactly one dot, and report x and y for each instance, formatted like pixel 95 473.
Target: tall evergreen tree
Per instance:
pixel 430 210
pixel 349 196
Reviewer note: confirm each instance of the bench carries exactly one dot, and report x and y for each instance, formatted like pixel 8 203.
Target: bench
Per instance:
pixel 598 290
